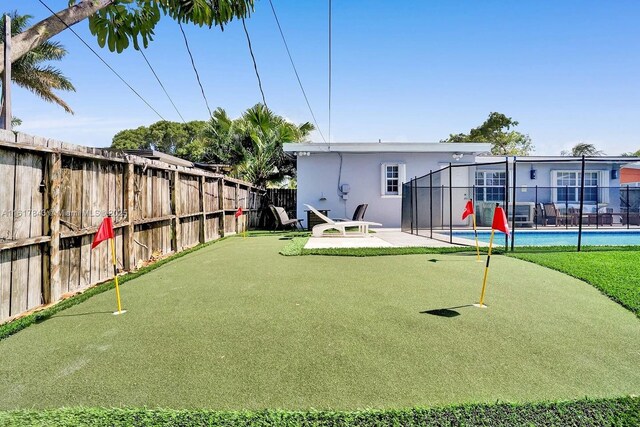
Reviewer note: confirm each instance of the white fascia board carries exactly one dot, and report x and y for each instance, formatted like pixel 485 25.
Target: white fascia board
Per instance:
pixel 389 147
pixel 554 159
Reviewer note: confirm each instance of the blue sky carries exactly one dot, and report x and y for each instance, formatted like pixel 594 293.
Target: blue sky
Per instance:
pixel 402 71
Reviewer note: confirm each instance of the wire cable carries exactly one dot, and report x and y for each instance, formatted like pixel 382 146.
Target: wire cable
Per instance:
pixel 195 69
pixel 286 46
pixel 253 58
pixel 102 59
pixel 329 72
pixel 161 85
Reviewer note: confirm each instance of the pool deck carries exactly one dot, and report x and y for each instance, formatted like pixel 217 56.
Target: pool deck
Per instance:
pixel 386 238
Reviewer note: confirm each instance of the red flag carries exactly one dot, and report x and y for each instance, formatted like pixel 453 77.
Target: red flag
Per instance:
pixel 500 222
pixel 468 209
pixel 238 212
pixel 105 232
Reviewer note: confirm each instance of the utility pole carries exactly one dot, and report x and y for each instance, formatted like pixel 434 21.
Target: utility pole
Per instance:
pixel 5 115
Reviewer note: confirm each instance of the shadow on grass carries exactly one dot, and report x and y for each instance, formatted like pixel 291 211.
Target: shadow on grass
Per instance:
pixel 446 312
pixel 93 313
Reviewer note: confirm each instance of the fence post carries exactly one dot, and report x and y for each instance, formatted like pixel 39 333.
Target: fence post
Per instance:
pixel 235 207
pixel 535 210
pixel 513 212
pixel 566 207
pixel 411 205
pixel 177 233
pixel 431 204
pixel 129 228
pixel 202 235
pixel 450 204
pixel 223 218
pixel 415 178
pixel 628 206
pixel 506 198
pixel 52 283
pixel 581 205
pixel 597 206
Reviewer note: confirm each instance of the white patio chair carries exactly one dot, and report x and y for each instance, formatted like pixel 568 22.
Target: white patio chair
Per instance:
pixel 341 226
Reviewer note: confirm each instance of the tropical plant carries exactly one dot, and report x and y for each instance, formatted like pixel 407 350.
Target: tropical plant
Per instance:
pixel 31 71
pixel 497 131
pixel 253 143
pixel 119 23
pixel 582 149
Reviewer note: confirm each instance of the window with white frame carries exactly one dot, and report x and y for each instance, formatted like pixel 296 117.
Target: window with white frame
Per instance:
pixel 568 186
pixel 490 186
pixel 393 175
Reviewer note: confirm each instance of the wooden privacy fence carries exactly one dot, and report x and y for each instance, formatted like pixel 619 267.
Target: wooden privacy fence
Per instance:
pixel 283 197
pixel 54 195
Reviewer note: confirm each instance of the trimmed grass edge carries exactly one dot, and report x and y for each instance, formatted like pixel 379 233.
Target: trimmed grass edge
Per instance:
pixel 621 411
pixel 14 326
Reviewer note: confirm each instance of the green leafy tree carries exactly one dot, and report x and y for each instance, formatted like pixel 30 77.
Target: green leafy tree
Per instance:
pixel 33 73
pixel 583 149
pixel 497 130
pixel 632 154
pixel 184 140
pixel 251 144
pixel 120 23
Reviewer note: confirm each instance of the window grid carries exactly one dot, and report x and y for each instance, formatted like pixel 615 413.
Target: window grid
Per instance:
pixel 568 184
pixel 490 186
pixel 392 179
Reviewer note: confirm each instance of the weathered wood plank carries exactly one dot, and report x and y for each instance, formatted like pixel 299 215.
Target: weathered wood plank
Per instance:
pixel 51 281
pixel 175 199
pixel 22 196
pixel 129 197
pixel 65 260
pixel 77 193
pixel 74 263
pixel 5 284
pixel 24 242
pixel 84 279
pixel 19 280
pixel 34 289
pixel 7 189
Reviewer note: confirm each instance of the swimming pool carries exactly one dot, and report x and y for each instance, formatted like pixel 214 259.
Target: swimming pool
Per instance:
pixel 560 238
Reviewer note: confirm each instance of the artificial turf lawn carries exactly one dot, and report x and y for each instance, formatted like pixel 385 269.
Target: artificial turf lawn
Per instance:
pixel 237 326
pixel 616 274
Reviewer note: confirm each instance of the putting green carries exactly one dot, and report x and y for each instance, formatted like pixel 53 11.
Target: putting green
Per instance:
pixel 237 326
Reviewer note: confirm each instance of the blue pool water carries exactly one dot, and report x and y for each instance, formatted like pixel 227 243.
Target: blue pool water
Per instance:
pixel 559 238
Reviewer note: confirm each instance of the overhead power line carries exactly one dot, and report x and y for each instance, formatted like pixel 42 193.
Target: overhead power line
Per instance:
pixel 286 46
pixel 102 59
pixel 195 69
pixel 329 71
pixel 253 58
pixel 161 85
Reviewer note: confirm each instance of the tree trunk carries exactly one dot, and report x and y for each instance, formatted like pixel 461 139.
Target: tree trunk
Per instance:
pixel 51 26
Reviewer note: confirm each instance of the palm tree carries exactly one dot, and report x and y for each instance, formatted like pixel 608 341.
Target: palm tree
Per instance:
pixel 583 149
pixel 29 71
pixel 253 143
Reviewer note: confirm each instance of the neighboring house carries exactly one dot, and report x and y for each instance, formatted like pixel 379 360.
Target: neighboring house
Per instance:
pixel 340 176
pixel 553 179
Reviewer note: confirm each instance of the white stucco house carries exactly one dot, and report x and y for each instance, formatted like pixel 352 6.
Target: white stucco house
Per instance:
pixel 340 176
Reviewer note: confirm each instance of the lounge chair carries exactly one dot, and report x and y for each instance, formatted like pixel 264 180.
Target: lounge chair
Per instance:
pixel 551 214
pixel 358 214
pixel 282 219
pixel 330 224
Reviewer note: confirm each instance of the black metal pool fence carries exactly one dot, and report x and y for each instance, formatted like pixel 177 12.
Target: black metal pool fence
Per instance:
pixel 577 194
